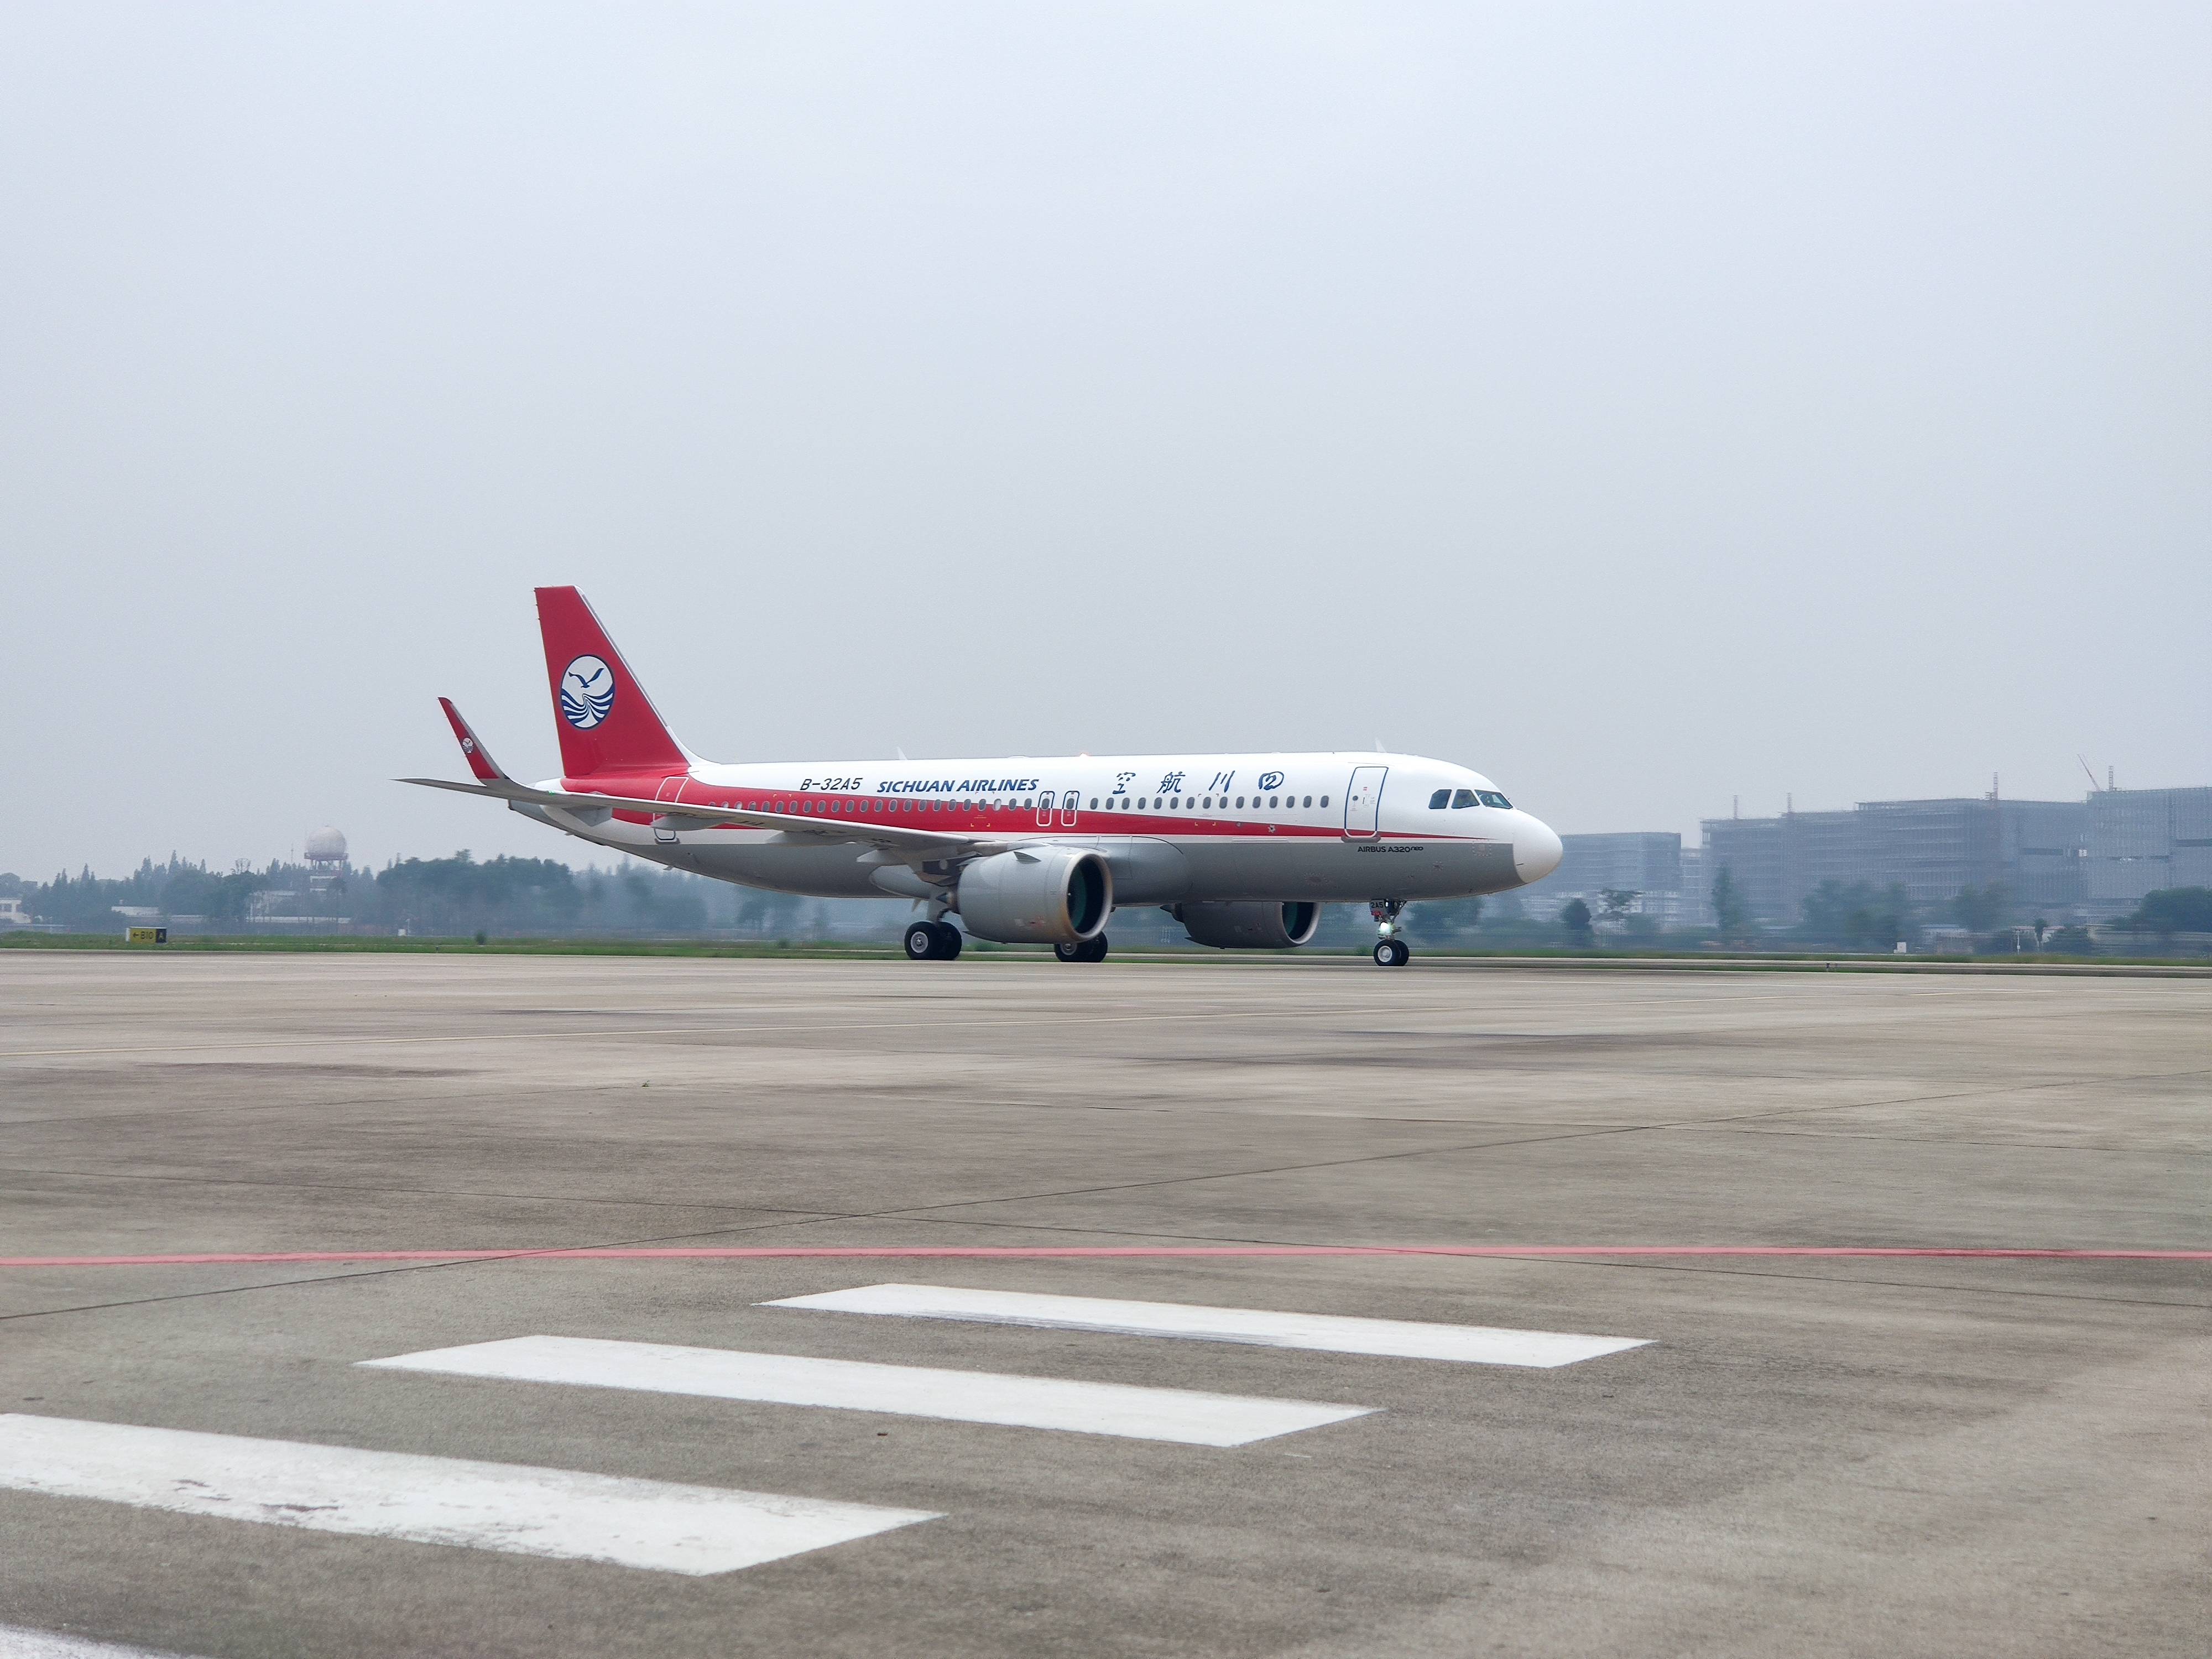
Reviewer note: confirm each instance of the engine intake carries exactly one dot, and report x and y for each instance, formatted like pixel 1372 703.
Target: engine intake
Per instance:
pixel 1249 926
pixel 1036 896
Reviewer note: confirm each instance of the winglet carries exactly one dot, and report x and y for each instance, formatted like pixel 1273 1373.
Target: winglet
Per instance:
pixel 480 761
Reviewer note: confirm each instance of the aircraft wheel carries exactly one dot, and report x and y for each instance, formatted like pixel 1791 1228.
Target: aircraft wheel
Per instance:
pixel 1071 951
pixel 1392 953
pixel 921 942
pixel 950 941
pixel 1095 949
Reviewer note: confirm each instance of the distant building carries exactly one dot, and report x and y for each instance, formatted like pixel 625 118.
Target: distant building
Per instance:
pixel 1647 863
pixel 1638 862
pixel 13 914
pixel 1693 905
pixel 2061 860
pixel 2036 850
pixel 1750 850
pixel 1667 878
pixel 2141 839
pixel 2045 851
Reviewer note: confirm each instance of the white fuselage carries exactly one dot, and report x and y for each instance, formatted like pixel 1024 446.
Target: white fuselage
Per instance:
pixel 1174 828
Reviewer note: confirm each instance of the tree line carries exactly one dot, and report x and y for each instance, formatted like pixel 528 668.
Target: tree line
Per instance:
pixel 441 896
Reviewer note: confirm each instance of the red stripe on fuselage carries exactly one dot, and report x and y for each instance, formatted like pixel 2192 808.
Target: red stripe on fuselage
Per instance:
pixel 985 820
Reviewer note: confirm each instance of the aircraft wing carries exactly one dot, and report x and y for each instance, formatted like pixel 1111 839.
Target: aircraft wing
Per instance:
pixel 908 844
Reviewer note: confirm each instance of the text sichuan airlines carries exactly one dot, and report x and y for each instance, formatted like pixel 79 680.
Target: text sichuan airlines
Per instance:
pixel 1243 849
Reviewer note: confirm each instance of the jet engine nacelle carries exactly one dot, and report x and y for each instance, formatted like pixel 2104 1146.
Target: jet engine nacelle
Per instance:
pixel 1036 896
pixel 1249 926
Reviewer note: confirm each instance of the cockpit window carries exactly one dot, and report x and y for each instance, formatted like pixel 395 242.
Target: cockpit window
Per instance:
pixel 1441 800
pixel 1463 798
pixel 1491 798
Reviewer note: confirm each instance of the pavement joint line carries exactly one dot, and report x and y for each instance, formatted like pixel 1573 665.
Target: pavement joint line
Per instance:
pixel 1719 1272
pixel 1107 1252
pixel 1039 1017
pixel 1615 1263
pixel 1036 1017
pixel 926 1211
pixel 795 1216
pixel 1963 1140
pixel 1095 1230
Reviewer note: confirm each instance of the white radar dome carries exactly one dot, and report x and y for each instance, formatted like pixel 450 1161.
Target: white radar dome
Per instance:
pixel 326 843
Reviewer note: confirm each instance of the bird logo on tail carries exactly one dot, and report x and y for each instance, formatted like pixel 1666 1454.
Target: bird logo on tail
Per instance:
pixel 587 692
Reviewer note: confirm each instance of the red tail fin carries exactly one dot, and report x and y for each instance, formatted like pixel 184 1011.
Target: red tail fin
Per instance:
pixel 606 722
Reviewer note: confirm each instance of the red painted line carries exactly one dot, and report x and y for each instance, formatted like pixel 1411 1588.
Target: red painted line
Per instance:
pixel 1044 1253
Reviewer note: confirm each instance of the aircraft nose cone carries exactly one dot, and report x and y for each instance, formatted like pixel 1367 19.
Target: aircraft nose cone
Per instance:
pixel 1535 851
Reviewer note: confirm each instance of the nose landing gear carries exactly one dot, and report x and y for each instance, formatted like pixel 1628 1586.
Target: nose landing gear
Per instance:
pixel 1390 950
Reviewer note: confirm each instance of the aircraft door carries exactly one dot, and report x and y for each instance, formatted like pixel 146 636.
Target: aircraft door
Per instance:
pixel 671 789
pixel 1045 811
pixel 1068 802
pixel 1363 802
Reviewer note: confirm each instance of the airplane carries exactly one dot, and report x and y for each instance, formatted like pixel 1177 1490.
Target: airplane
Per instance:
pixel 1243 849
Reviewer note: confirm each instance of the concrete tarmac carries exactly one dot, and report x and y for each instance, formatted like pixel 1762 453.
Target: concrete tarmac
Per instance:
pixel 1823 1455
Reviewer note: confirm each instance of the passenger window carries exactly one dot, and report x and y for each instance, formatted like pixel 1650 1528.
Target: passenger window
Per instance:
pixel 1324 800
pixel 1441 800
pixel 1240 802
pixel 1310 800
pixel 1271 803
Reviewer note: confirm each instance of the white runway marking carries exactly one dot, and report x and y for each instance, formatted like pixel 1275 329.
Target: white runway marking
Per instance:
pixel 1402 1338
pixel 1028 1402
pixel 430 1500
pixel 16 1642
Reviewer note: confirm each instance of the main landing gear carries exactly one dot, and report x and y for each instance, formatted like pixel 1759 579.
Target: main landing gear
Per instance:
pixel 1390 950
pixel 1089 949
pixel 933 941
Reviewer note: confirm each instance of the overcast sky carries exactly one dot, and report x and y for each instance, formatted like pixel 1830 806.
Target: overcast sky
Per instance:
pixel 1646 405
